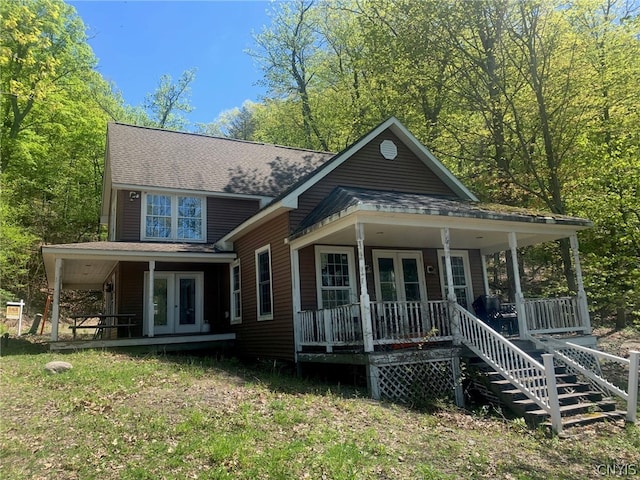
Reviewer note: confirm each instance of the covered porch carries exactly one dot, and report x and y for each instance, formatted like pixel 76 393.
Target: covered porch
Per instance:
pixel 153 294
pixel 415 257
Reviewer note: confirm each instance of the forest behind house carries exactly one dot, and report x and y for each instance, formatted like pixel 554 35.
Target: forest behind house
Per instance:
pixel 533 104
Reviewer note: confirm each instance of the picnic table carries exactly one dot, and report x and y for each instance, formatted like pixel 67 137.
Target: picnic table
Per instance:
pixel 105 322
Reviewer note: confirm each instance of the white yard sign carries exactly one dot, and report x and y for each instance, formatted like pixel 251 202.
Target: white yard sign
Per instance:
pixel 14 312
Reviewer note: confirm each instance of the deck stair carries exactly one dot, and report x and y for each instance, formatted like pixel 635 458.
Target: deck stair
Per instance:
pixel 579 403
pixel 530 382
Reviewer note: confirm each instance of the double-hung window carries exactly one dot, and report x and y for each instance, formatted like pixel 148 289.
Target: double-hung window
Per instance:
pixel 173 217
pixel 236 306
pixel 264 285
pixel 335 270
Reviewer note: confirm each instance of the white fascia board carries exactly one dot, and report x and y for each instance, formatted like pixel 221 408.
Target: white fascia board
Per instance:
pixel 410 141
pixel 427 157
pixel 336 162
pixel 419 218
pixel 107 187
pixel 324 229
pixel 132 256
pixel 205 193
pixel 260 218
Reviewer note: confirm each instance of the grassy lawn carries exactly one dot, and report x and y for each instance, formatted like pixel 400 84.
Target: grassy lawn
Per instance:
pixel 122 416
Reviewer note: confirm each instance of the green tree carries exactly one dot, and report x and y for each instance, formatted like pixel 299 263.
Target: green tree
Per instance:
pixel 43 47
pixel 53 135
pixel 168 99
pixel 290 53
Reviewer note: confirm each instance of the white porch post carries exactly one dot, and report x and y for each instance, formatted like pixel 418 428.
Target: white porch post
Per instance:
pixel 485 276
pixel 365 301
pixel 295 287
pixel 55 312
pixel 150 305
pixel 451 293
pixel 583 306
pixel 522 318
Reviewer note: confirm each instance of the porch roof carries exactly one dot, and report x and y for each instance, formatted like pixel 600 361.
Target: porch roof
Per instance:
pixel 88 265
pixel 407 215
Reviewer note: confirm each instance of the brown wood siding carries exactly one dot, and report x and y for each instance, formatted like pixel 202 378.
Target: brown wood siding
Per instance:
pixel 128 217
pixel 368 169
pixel 130 291
pixel 267 338
pixel 430 258
pixel 308 287
pixel 224 214
pixel 475 265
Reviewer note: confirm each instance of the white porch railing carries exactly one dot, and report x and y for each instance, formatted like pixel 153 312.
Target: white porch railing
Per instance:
pixel 553 315
pixel 537 381
pixel 331 327
pixel 586 361
pixel 409 322
pixel 392 323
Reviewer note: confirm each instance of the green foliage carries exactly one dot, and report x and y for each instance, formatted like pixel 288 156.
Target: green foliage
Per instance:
pixel 168 99
pixel 529 103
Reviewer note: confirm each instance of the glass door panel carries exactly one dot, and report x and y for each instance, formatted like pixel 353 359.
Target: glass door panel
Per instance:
pixel 461 280
pixel 399 276
pixel 189 298
pixel 387 280
pixel 162 304
pixel 411 280
pixel 187 301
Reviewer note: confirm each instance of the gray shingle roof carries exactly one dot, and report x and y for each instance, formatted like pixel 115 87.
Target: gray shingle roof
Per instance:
pixel 150 157
pixel 341 198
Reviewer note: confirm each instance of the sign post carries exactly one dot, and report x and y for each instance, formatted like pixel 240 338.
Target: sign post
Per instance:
pixel 14 312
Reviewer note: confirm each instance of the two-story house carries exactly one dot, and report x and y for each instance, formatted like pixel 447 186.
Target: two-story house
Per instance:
pixel 316 258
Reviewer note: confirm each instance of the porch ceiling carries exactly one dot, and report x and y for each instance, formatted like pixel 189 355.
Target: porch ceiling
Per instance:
pixel 86 266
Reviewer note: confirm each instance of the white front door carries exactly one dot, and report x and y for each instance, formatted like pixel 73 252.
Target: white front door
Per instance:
pixel 177 302
pixel 399 276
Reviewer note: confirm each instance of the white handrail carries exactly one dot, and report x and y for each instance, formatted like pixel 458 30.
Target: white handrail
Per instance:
pixel 630 395
pixel 534 379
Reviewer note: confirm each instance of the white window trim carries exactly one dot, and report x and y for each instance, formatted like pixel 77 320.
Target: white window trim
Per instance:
pixel 269 316
pixel 467 273
pixel 398 255
pixel 319 250
pixel 174 218
pixel 236 319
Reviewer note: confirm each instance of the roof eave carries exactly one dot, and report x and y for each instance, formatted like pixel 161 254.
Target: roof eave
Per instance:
pixel 569 223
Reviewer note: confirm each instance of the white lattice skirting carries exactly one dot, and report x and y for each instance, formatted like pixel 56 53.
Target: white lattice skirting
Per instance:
pixel 413 383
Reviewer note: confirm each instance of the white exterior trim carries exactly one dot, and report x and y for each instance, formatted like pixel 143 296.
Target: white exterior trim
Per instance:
pixel 195 193
pixel 174 217
pixel 261 250
pixel 233 318
pixel 397 256
pixel 290 200
pixel 467 273
pixel 319 250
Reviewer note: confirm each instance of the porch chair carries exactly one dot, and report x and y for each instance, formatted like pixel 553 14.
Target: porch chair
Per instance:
pixel 502 318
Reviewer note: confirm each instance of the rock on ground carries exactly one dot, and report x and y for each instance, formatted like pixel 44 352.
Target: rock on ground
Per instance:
pixel 58 366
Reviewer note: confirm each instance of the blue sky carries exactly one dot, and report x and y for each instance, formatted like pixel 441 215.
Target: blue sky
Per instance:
pixel 136 42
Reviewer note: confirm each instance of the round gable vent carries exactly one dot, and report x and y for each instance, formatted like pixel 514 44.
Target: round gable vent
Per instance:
pixel 388 149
